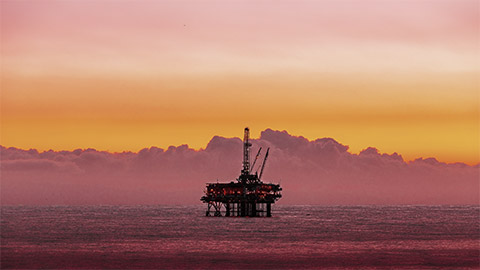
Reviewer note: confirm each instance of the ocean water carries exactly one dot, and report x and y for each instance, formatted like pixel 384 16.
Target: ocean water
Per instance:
pixel 296 237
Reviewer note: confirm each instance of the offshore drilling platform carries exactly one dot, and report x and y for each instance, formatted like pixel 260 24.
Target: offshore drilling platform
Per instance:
pixel 248 196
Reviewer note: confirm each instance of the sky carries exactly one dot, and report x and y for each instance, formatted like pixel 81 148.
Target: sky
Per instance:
pixel 400 76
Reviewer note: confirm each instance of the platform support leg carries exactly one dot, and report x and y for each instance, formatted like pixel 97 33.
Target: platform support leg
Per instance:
pixel 254 210
pixel 208 210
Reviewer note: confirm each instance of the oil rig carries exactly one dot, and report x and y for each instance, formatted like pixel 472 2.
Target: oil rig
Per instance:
pixel 248 196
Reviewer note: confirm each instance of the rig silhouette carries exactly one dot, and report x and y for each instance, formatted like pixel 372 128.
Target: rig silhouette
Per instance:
pixel 248 196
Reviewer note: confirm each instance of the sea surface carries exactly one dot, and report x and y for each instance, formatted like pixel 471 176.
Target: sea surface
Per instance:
pixel 296 237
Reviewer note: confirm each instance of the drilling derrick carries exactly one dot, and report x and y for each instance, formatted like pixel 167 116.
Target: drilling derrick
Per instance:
pixel 248 195
pixel 246 156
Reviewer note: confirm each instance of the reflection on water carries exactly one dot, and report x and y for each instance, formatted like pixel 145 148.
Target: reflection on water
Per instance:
pixel 408 237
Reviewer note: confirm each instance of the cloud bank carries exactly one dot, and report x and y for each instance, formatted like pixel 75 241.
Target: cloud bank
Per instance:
pixel 311 172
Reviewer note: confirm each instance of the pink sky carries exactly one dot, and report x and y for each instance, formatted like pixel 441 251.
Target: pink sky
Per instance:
pixel 399 75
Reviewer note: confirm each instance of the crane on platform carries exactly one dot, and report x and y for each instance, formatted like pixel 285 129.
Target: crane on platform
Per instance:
pixel 263 165
pixel 256 157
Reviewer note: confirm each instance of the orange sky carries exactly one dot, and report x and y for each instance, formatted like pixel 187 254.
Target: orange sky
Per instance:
pixel 401 76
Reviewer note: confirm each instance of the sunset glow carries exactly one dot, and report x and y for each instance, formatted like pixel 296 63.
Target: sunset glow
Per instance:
pixel 120 76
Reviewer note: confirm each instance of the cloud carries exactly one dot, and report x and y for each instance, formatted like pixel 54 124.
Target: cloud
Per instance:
pixel 311 172
pixel 36 165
